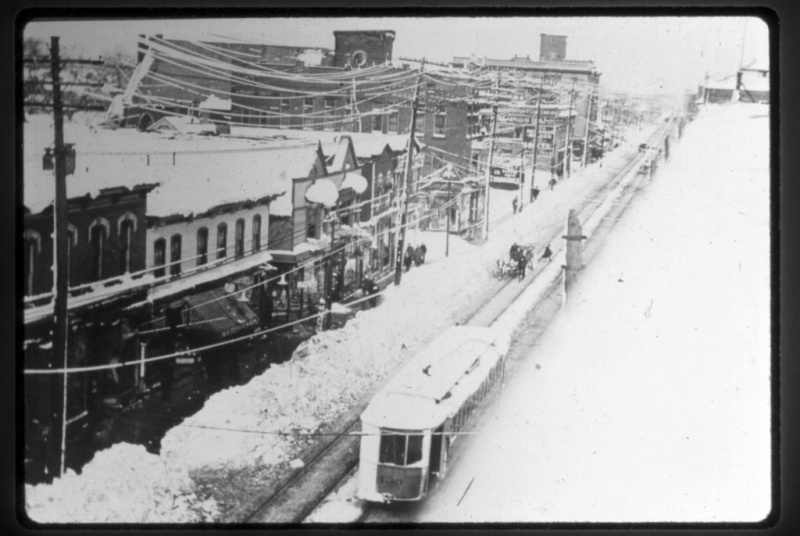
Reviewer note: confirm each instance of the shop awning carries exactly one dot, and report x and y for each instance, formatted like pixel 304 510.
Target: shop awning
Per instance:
pixel 219 313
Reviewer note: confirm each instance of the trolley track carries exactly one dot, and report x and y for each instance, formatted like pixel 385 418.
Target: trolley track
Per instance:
pixel 330 463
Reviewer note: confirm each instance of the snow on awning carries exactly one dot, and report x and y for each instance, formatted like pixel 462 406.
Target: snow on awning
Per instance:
pixel 324 192
pixel 215 103
pixel 356 181
pixel 219 313
pixel 212 274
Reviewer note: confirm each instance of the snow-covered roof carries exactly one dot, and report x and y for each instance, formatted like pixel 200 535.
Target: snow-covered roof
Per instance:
pixel 366 144
pixel 195 172
pixel 436 381
pixel 577 66
pixel 215 103
pixel 183 123
pixel 728 83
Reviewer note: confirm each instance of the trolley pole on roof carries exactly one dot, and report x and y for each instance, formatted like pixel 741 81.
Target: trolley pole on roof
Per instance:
pixel 398 265
pixel 60 273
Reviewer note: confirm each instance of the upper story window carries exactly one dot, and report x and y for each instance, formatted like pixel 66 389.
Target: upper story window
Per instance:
pixel 393 121
pixel 175 244
pixel 98 235
pixel 239 246
pixel 257 232
pixel 273 109
pixel 72 241
pixel 33 246
pixel 286 110
pixel 330 113
pixel 159 256
pixel 420 124
pixel 440 125
pixel 377 119
pixel 202 246
pixel 308 112
pixel 125 242
pixel 311 223
pixel 222 240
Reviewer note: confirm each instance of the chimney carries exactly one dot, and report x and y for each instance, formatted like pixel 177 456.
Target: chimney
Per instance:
pixel 553 48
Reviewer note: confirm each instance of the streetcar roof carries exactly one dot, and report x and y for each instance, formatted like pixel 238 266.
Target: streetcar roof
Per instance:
pixel 436 381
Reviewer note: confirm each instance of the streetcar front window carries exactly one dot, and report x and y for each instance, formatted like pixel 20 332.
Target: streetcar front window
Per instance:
pixel 400 449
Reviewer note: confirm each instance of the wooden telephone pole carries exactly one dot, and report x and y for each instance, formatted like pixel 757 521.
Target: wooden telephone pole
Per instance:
pixel 61 271
pixel 398 267
pixel 536 137
pixel 568 146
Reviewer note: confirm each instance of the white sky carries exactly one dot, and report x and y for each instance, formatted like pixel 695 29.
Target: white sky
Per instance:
pixel 632 52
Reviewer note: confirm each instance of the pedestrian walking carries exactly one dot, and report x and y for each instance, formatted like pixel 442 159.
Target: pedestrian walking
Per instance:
pixel 418 256
pixel 409 258
pixel 552 182
pixel 547 255
pixel 514 204
pixel 522 262
pixel 370 288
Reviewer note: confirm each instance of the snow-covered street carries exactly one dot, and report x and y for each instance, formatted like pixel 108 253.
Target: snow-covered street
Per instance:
pixel 649 400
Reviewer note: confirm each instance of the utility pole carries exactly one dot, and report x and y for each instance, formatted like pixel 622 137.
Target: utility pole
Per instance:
pixel 354 111
pixel 449 211
pixel 521 171
pixel 588 124
pixel 60 274
pixel 333 219
pixel 489 176
pixel 567 147
pixel 536 136
pixel 398 265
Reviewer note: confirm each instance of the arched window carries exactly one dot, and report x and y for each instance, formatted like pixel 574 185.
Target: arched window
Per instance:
pixel 175 254
pixel 256 232
pixel 98 234
pixel 202 246
pixel 222 240
pixel 126 229
pixel 239 247
pixel 33 246
pixel 159 256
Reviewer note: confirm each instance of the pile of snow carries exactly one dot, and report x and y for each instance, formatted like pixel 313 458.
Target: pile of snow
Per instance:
pixel 267 421
pixel 123 484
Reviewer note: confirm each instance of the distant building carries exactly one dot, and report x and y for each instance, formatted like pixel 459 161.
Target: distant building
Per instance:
pixel 752 84
pixel 557 77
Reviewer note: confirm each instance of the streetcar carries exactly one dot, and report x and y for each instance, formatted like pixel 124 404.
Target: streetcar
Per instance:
pixel 410 424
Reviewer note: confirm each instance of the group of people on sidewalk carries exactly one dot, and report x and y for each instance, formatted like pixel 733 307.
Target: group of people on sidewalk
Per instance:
pixel 415 256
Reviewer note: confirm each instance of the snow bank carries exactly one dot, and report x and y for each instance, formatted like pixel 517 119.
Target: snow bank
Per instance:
pixel 122 484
